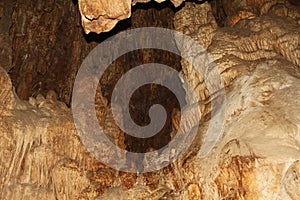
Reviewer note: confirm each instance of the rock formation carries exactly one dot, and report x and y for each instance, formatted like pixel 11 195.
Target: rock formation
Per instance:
pixel 256 156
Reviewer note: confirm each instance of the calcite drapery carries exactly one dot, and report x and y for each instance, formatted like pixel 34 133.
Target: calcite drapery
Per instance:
pixel 260 142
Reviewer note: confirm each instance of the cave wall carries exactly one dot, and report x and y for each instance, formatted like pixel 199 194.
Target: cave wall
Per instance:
pixel 153 15
pixel 6 10
pixel 45 44
pixel 254 154
pixel 256 157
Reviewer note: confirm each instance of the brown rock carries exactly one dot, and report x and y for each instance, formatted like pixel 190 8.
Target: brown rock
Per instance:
pixel 255 157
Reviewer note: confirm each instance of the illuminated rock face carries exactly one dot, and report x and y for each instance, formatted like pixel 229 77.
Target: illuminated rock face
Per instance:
pixel 258 59
pixel 256 156
pixel 102 15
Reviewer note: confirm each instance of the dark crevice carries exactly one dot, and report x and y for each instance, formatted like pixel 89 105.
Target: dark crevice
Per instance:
pixel 218 12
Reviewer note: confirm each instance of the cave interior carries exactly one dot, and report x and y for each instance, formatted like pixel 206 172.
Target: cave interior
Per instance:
pixel 255 45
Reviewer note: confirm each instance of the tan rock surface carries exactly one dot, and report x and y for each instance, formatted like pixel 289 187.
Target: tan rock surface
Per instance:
pixel 256 156
pixel 102 15
pixel 261 131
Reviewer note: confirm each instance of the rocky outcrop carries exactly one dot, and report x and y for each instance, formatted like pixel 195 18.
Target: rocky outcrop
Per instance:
pixel 102 15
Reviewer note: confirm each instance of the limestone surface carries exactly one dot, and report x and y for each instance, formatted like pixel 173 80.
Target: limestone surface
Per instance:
pixel 255 156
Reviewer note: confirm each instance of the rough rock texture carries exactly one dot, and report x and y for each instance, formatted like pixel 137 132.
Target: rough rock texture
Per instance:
pixel 148 95
pixel 102 15
pixel 238 10
pixel 256 157
pixel 42 156
pixel 6 9
pixel 44 40
pixel 258 59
